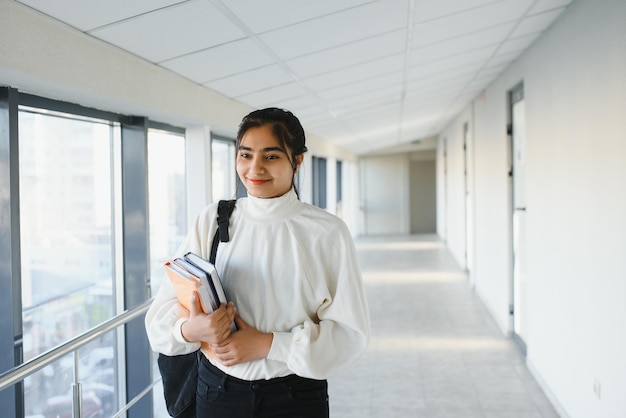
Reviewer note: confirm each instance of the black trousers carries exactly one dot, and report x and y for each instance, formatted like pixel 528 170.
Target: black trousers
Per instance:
pixel 222 396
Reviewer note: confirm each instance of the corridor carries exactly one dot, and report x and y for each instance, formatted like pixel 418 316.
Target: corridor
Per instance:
pixel 435 351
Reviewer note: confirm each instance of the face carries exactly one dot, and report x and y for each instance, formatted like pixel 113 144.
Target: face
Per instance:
pixel 262 166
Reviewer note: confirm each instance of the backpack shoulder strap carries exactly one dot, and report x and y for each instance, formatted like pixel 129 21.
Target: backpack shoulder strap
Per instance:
pixel 224 210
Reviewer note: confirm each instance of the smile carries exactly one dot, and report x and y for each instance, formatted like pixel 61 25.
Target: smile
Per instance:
pixel 257 182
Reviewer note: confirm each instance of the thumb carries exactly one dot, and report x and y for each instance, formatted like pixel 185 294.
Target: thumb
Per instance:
pixel 241 324
pixel 194 304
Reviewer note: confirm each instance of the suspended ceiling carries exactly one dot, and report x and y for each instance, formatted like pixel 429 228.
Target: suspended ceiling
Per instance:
pixel 366 75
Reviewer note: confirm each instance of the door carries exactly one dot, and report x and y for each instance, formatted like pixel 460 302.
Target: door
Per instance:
pixel 469 217
pixel 518 171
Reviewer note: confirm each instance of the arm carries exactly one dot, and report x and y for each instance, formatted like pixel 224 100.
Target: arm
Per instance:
pixel 166 316
pixel 334 336
pixel 319 349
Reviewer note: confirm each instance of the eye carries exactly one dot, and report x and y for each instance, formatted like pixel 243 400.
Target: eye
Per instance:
pixel 244 155
pixel 272 157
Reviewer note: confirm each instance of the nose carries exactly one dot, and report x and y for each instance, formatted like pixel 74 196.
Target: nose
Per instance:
pixel 258 164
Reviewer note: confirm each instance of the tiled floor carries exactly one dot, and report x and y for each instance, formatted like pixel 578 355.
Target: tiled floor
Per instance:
pixel 435 351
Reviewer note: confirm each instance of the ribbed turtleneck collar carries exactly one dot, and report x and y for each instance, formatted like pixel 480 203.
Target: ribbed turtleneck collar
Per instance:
pixel 276 208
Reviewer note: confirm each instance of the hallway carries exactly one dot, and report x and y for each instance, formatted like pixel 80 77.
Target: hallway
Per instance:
pixel 435 351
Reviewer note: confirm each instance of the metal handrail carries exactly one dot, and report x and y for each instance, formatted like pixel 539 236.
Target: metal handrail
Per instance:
pixel 19 373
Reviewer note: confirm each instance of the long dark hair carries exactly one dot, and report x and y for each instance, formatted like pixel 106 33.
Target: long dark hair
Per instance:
pixel 286 128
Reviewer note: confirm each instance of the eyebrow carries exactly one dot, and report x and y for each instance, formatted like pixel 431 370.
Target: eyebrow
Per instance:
pixel 268 149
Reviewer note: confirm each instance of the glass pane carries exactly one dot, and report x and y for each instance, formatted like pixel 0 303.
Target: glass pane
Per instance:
pixel 167 199
pixel 49 392
pixel 66 227
pixel 223 169
pixel 98 372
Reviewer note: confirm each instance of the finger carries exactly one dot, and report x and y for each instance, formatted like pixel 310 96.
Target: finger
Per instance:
pixel 194 305
pixel 241 324
pixel 224 315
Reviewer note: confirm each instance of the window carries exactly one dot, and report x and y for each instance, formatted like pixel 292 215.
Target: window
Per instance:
pixel 66 226
pixel 319 182
pixel 225 182
pixel 167 199
pixel 85 210
pixel 339 188
pixel 67 244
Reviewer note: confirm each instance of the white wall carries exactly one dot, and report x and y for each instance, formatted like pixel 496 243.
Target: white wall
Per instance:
pixel 442 202
pixel 575 93
pixel 452 185
pixel 423 193
pixel 385 194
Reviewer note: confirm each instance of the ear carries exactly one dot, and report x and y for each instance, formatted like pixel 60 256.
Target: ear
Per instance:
pixel 299 159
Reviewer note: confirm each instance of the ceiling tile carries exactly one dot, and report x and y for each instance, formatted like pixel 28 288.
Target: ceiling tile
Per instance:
pixel 332 30
pixel 464 71
pixel 430 10
pixel 501 59
pixel 366 100
pixel 545 5
pixel 517 44
pixel 455 61
pixel 250 81
pixel 280 13
pixel 423 88
pixel 339 132
pixel 90 14
pixel 304 105
pixel 472 41
pixel 273 96
pixel 386 65
pixel 348 55
pixel 171 32
pixel 536 23
pixel 220 61
pixel 462 24
pixel 371 84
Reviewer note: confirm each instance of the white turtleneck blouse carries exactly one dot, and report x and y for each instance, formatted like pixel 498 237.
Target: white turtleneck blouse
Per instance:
pixel 291 269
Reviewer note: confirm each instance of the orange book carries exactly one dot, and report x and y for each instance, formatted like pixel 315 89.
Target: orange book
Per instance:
pixel 185 284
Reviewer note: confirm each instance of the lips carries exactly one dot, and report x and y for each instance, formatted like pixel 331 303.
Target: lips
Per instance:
pixel 257 182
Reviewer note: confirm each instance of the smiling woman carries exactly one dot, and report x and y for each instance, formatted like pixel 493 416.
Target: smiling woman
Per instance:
pixel 291 273
pixel 264 167
pixel 271 147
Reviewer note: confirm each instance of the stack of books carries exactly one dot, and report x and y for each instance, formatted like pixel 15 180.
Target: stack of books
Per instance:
pixel 192 273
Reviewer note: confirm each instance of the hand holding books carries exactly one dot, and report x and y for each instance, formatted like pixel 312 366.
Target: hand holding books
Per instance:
pixel 193 273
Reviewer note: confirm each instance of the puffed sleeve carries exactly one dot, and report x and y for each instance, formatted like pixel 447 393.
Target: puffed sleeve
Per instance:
pixel 165 316
pixel 340 334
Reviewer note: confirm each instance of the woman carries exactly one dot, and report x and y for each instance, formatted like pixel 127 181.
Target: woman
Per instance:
pixel 290 270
